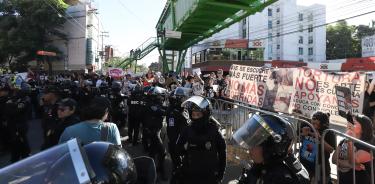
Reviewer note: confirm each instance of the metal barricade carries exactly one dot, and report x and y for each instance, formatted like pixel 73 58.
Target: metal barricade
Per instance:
pixel 233 115
pixel 350 138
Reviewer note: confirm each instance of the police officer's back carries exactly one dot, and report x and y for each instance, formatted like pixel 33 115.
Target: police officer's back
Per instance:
pixel 269 139
pixel 201 145
pixel 136 105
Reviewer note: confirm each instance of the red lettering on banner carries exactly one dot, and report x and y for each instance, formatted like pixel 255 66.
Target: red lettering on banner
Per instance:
pixel 355 103
pixel 260 90
pixel 325 77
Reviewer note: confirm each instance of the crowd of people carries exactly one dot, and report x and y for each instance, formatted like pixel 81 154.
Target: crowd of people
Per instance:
pixel 101 108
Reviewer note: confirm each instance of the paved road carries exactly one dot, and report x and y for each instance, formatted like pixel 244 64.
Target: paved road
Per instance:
pixel 36 139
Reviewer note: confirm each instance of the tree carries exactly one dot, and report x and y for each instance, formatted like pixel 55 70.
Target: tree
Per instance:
pixel 27 26
pixel 361 32
pixel 341 42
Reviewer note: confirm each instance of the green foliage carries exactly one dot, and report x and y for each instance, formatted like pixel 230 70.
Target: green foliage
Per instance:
pixel 27 26
pixel 344 41
pixel 340 41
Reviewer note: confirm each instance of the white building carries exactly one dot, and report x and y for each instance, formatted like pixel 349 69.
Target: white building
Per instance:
pixel 81 50
pixel 290 32
pixel 282 31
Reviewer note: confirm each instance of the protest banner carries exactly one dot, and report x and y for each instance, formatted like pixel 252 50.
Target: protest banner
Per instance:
pixel 248 84
pixel 344 99
pixel 295 90
pixel 315 90
pixel 115 72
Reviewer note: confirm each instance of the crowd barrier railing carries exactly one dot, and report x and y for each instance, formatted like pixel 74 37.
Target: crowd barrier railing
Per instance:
pixel 354 140
pixel 232 115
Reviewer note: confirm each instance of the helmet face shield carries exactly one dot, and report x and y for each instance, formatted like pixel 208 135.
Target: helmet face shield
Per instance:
pixel 199 101
pixel 255 131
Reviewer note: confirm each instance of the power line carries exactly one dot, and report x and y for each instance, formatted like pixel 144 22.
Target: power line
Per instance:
pixel 284 25
pixel 290 27
pixel 296 31
pixel 63 15
pixel 131 12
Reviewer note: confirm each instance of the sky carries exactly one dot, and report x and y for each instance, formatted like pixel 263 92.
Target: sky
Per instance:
pixel 131 22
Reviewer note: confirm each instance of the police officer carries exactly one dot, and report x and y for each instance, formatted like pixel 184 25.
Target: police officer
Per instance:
pixel 34 94
pixel 85 93
pixel 118 105
pixel 136 105
pixel 176 123
pixel 152 125
pixel 4 131
pixel 50 118
pixel 269 139
pixel 16 111
pixel 104 163
pixel 201 145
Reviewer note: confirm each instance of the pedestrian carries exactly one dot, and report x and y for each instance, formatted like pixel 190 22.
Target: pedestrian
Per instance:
pixel 93 128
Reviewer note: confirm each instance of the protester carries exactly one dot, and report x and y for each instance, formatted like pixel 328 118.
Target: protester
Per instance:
pixel 93 128
pixel 310 148
pixel 344 157
pixel 198 85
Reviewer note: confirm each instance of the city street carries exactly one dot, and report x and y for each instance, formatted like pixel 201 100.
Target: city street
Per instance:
pixel 36 140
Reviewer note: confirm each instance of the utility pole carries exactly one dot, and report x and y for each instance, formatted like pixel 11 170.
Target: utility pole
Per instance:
pixel 103 34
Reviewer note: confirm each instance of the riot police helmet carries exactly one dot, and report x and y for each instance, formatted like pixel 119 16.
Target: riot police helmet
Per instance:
pixel 271 132
pixel 116 85
pixel 177 96
pixel 97 162
pixel 197 103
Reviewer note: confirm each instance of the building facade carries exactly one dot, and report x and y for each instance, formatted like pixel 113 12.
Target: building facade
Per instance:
pixel 290 32
pixel 282 31
pixel 81 51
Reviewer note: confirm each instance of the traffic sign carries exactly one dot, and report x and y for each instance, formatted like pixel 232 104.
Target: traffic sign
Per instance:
pixel 173 34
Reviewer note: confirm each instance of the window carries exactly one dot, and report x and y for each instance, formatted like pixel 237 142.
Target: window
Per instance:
pixel 300 40
pixel 278 34
pixel 278 10
pixel 244 33
pixel 244 21
pixel 311 51
pixel 278 57
pixel 311 40
pixel 300 51
pixel 269 24
pixel 278 46
pixel 311 59
pixel 269 12
pixel 310 17
pixel 300 59
pixel 300 17
pixel 270 36
pixel 269 58
pixel 300 28
pixel 310 28
pixel 278 22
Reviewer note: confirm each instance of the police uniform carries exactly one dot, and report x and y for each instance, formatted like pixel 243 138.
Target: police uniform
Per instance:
pixel 274 135
pixel 136 106
pixel 201 146
pixel 16 108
